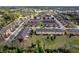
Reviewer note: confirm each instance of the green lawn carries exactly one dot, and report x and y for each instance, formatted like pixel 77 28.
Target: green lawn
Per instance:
pixel 63 42
pixel 60 41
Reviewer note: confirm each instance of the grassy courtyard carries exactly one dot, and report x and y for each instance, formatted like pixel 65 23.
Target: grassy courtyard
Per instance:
pixel 63 42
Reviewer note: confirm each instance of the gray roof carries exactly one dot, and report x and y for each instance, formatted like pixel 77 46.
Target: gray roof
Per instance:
pixel 49 30
pixel 24 32
pixel 73 30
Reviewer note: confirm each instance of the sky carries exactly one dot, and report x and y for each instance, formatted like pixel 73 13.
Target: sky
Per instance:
pixel 39 2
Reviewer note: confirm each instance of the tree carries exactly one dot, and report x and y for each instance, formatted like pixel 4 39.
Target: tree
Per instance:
pixel 39 48
pixel 70 35
pixel 54 36
pixel 51 38
pixel 48 36
pixel 42 25
pixel 31 12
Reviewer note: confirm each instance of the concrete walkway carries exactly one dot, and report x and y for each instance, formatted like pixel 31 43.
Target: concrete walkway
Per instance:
pixel 58 22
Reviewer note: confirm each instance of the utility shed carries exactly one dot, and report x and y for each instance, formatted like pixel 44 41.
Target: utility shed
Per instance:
pixel 50 31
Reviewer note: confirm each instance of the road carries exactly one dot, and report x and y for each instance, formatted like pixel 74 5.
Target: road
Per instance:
pixel 14 34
